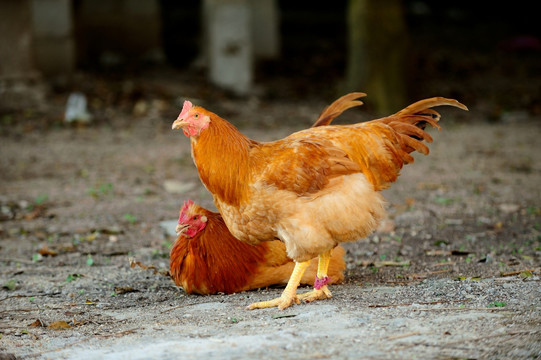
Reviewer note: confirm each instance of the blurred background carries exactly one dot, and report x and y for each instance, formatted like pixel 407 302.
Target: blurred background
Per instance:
pixel 136 56
pixel 92 174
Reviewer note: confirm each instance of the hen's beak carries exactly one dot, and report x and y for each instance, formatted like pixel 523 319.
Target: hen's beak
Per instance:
pixel 179 124
pixel 181 228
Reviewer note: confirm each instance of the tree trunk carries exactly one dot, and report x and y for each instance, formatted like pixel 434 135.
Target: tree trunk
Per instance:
pixel 377 53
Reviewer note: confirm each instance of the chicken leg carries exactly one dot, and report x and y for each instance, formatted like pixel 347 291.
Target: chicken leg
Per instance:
pixel 289 295
pixel 321 291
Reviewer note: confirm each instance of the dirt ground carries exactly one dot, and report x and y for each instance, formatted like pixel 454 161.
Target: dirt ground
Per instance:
pixel 453 273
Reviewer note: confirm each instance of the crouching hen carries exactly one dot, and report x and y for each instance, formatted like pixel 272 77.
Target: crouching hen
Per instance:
pixel 207 259
pixel 313 189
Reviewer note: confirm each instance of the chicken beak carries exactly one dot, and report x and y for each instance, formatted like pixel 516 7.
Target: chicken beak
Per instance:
pixel 179 124
pixel 181 228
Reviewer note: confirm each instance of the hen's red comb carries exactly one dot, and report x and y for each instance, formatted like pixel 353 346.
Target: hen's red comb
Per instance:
pixel 185 207
pixel 185 108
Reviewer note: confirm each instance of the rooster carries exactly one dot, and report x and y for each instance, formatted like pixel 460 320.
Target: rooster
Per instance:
pixel 313 189
pixel 207 259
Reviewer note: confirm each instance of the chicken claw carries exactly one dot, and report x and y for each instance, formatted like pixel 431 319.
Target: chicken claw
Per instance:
pixel 282 302
pixel 289 295
pixel 316 294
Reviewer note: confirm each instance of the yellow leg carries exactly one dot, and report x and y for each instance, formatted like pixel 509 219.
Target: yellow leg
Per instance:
pixel 289 295
pixel 321 291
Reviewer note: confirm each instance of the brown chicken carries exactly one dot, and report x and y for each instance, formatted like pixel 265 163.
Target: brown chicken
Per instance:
pixel 313 189
pixel 207 259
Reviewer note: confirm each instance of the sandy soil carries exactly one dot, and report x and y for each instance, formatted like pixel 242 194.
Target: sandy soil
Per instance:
pixel 454 273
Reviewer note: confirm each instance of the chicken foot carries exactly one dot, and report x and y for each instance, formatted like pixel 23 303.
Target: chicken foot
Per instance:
pixel 321 291
pixel 289 295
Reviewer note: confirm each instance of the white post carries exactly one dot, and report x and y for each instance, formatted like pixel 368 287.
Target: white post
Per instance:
pixel 229 44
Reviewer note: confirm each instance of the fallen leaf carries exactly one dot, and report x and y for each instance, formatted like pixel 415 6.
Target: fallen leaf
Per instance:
pixel 38 211
pixel 59 325
pixel 124 289
pixel 112 230
pixel 45 251
pixel 37 323
pixel 134 263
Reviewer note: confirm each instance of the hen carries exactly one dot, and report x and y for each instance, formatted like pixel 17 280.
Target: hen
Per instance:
pixel 313 189
pixel 207 259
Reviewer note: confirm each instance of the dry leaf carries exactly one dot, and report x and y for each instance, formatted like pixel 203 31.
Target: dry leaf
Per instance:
pixel 134 263
pixel 124 289
pixel 37 323
pixel 59 325
pixel 45 251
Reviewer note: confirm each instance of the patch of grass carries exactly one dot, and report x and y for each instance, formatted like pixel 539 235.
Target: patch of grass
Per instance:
pixel 132 219
pixel 497 304
pixel 38 201
pixel 167 244
pixel 442 200
pixel 101 190
pixel 157 253
pixel 235 320
pixel 72 277
pixel 10 285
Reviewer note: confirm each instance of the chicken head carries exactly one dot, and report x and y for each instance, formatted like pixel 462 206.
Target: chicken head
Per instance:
pixel 192 120
pixel 190 220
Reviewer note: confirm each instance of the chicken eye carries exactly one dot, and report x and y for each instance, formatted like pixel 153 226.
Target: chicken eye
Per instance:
pixel 196 116
pixel 195 217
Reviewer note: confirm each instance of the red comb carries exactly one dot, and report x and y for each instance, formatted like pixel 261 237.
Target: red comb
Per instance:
pixel 185 207
pixel 185 108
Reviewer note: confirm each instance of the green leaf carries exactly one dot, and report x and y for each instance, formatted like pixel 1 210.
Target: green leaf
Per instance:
pixel 89 260
pixel 443 200
pixel 497 304
pixel 37 257
pixel 40 199
pixel 10 285
pixel 132 219
pixel 72 277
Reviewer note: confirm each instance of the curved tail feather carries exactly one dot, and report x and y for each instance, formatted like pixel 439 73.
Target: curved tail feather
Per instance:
pixel 338 107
